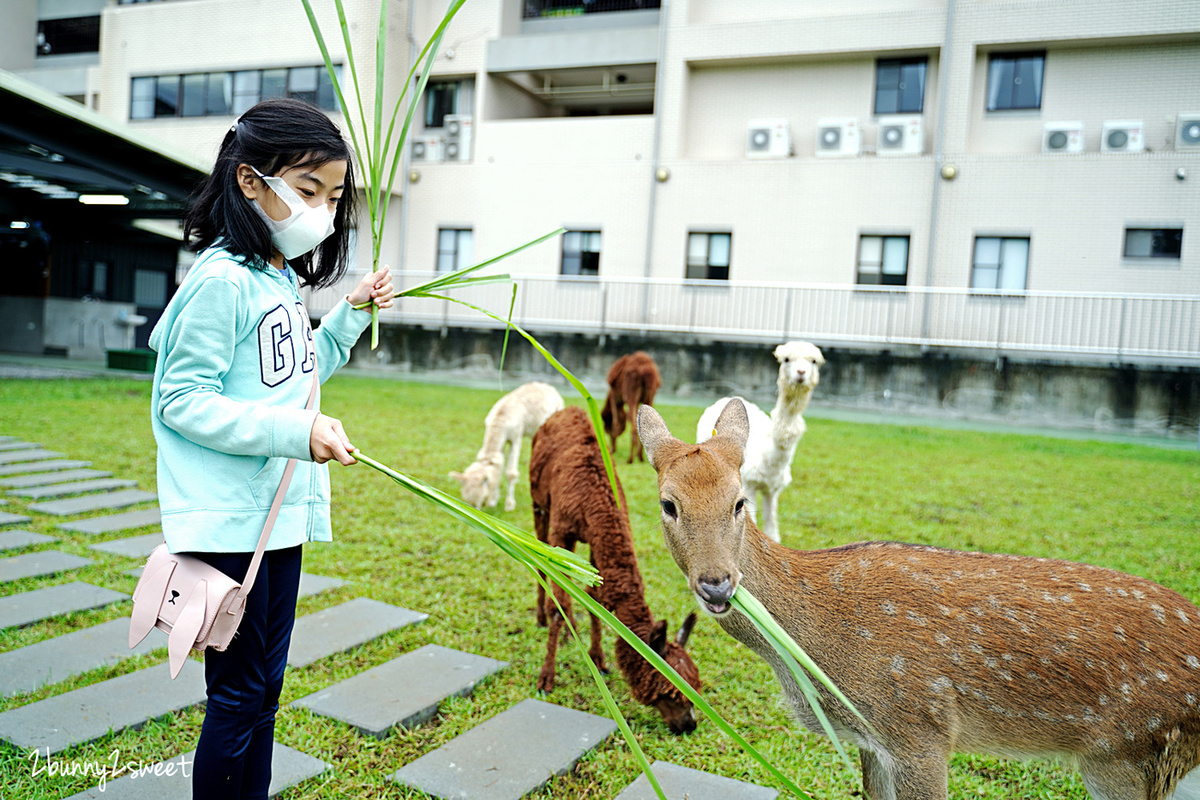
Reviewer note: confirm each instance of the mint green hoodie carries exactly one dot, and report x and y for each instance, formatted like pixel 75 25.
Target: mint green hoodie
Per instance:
pixel 235 362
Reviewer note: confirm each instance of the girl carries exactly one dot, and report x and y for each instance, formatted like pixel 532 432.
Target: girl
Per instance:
pixel 236 356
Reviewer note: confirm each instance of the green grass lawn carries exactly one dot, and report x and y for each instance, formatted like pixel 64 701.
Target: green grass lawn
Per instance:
pixel 1130 507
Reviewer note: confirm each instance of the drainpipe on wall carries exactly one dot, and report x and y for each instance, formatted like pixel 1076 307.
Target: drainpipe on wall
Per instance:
pixel 939 156
pixel 406 154
pixel 663 18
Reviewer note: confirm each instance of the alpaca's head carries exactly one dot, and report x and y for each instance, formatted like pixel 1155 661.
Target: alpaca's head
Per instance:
pixel 480 482
pixel 653 689
pixel 799 366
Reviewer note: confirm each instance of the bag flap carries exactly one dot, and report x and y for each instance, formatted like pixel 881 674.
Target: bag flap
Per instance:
pixel 187 627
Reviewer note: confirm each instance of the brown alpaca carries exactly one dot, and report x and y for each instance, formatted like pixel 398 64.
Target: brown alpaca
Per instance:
pixel 573 502
pixel 633 380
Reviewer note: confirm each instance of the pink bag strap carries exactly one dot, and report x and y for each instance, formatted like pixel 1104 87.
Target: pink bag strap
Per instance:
pixel 276 504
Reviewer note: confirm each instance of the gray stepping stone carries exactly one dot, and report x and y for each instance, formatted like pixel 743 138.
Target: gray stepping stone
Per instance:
pixel 135 547
pixel 405 691
pixel 55 660
pixel 14 540
pixel 172 779
pixel 315 584
pixel 13 519
pixel 27 607
pixel 115 522
pixel 76 487
pixel 93 502
pixel 84 715
pixel 47 478
pixel 681 783
pixel 33 454
pixel 512 754
pixel 43 562
pixel 42 466
pixel 344 626
pixel 14 444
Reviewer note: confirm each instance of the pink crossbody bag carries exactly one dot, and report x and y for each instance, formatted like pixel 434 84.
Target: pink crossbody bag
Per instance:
pixel 195 604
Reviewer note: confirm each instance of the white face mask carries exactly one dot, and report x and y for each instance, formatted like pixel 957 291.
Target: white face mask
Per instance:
pixel 305 227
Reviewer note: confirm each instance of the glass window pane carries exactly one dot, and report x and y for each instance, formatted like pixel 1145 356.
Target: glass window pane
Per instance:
pixel 592 245
pixel 302 84
pixel 220 93
pixel 445 262
pixel 570 264
pixel 1000 78
pixel 984 277
pixel 166 96
pixel 274 83
pixel 446 240
pixel 246 81
pixel 697 252
pixel 150 288
pixel 987 252
pixel 195 91
pixel 466 248
pixel 1014 264
pixel 326 97
pixel 141 103
pixel 440 100
pixel 1137 243
pixel 912 88
pixel 1027 83
pixel 870 251
pixel 571 241
pixel 895 255
pixel 718 250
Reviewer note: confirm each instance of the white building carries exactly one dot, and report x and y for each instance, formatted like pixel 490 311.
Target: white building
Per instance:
pixel 1029 173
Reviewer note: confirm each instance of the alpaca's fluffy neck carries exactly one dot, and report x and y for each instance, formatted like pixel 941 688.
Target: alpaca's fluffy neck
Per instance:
pixel 787 424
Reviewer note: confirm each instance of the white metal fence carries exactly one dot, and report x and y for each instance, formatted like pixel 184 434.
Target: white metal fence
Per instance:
pixel 1083 326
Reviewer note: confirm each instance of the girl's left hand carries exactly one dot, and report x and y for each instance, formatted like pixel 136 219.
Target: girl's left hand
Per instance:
pixel 376 287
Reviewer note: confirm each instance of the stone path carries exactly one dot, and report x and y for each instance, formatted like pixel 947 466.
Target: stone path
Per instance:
pixel 681 783
pixel 84 715
pixel 45 478
pixel 345 626
pixel 53 601
pixel 43 562
pixel 505 758
pixel 510 755
pixel 171 780
pixel 404 692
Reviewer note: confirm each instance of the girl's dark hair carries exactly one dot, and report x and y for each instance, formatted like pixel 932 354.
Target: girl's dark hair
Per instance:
pixel 272 136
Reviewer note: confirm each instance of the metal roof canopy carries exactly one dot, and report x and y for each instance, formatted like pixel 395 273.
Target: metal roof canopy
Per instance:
pixel 53 150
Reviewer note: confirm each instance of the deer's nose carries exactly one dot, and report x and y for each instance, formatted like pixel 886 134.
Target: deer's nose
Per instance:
pixel 715 593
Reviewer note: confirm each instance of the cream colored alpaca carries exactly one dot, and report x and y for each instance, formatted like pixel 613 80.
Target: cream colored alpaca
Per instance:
pixel 516 415
pixel 767 469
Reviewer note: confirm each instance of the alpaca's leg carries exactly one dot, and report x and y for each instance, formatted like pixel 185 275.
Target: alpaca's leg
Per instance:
pixel 597 649
pixel 541 526
pixel 545 681
pixel 770 514
pixel 512 473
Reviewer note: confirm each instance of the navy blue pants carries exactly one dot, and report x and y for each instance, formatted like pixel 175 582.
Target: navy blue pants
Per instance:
pixel 233 758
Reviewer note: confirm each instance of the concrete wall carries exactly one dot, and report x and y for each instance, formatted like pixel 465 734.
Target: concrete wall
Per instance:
pixel 1102 398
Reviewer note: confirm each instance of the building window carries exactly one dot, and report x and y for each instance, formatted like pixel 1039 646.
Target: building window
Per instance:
pixel 1000 263
pixel 455 248
pixel 219 94
pixel 900 85
pixel 581 253
pixel 708 256
pixel 447 97
pixel 1153 242
pixel 1015 81
pixel 883 260
pixel 58 37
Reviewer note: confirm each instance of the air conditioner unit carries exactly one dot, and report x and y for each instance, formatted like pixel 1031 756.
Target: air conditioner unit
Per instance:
pixel 1122 136
pixel 1187 131
pixel 1062 137
pixel 458 128
pixel 900 136
pixel 427 148
pixel 838 137
pixel 768 138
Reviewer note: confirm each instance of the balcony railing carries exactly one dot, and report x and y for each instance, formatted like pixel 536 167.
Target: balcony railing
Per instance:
pixel 1070 326
pixel 568 8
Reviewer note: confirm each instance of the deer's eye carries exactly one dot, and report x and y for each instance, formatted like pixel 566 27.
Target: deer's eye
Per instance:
pixel 738 506
pixel 668 508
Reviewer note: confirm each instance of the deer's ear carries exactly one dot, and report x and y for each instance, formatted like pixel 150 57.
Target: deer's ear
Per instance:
pixel 733 423
pixel 652 432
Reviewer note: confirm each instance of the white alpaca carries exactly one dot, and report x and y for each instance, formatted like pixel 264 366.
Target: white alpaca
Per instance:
pixel 767 468
pixel 518 414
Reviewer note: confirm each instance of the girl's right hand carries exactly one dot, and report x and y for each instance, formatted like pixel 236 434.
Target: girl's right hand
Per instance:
pixel 328 441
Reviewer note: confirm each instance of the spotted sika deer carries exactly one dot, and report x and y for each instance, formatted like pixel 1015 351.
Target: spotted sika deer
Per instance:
pixel 946 651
